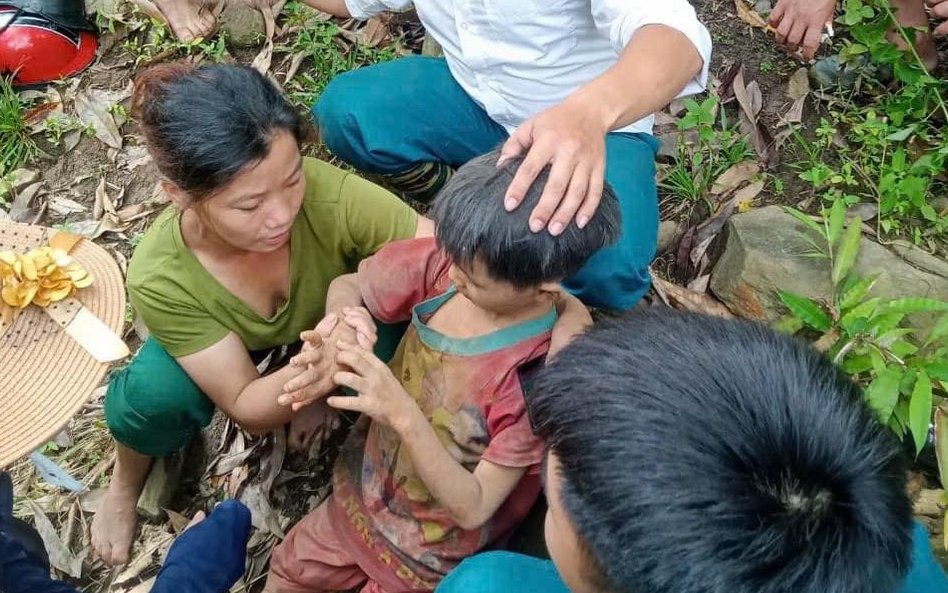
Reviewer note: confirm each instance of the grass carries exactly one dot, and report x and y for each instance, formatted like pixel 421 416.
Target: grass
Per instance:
pixel 705 151
pixel 327 53
pixel 17 148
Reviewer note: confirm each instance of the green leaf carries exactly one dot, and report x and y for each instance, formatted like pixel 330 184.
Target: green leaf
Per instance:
pixel 881 323
pixel 920 410
pixel 788 324
pixel 903 349
pixel 848 249
pixel 811 313
pixel 862 311
pixel 805 219
pixel 854 295
pixel 938 370
pixel 911 305
pixel 837 219
pixel 883 393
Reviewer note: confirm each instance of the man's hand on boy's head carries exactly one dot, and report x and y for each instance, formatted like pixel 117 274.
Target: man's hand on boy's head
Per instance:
pixel 380 395
pixel 571 138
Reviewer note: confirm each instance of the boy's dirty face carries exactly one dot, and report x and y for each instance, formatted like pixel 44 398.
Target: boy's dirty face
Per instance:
pixel 563 542
pixel 496 296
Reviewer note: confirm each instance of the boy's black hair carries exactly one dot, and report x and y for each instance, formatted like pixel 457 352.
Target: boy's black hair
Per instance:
pixel 701 455
pixel 471 222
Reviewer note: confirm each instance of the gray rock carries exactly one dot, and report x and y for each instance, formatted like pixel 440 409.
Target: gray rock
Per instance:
pixel 765 252
pixel 242 24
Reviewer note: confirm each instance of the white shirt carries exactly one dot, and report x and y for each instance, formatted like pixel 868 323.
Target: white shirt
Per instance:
pixel 518 57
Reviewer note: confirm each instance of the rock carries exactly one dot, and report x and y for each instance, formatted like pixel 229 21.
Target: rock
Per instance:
pixel 765 251
pixel 831 73
pixel 243 24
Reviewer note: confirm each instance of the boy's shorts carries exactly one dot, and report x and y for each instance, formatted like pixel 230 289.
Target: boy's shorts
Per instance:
pixel 312 559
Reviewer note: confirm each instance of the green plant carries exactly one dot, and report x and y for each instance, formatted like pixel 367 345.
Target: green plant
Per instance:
pixel 893 145
pixel 326 52
pixel 58 126
pixel 903 371
pixel 16 146
pixel 704 151
pixel 154 41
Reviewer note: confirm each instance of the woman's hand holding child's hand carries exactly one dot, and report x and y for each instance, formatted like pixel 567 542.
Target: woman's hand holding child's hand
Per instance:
pixel 381 396
pixel 318 355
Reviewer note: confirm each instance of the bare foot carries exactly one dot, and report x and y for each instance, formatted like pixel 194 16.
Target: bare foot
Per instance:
pixel 113 528
pixel 188 19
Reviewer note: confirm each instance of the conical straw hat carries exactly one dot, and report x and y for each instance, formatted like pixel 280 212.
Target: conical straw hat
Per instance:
pixel 46 376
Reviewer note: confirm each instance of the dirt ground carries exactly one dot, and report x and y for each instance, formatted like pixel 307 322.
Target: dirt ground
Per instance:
pixel 228 462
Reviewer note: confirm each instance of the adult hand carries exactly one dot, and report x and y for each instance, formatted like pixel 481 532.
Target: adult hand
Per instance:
pixel 360 320
pixel 380 395
pixel 315 361
pixel 939 11
pixel 800 23
pixel 571 139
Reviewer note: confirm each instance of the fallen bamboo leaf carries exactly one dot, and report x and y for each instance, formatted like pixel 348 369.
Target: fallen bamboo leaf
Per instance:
pixel 20 210
pixel 59 555
pixel 689 300
pixel 261 63
pixel 744 198
pixel 749 15
pixel 64 206
pixel 92 111
pixel 734 177
pixel 374 32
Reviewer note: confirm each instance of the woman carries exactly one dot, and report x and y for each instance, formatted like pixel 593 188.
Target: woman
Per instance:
pixel 237 267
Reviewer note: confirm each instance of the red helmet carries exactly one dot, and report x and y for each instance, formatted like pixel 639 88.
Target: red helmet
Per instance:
pixel 44 40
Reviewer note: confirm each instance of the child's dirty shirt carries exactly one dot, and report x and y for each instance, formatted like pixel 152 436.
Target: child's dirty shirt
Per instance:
pixel 470 392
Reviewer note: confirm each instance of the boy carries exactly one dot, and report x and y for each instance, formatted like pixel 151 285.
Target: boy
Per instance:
pixel 718 457
pixel 446 463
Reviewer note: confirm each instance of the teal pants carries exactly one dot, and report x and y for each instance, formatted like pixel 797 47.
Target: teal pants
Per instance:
pixel 152 406
pixel 388 118
pixel 505 572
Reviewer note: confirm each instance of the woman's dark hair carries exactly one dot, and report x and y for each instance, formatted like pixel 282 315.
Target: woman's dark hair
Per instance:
pixel 205 124
pixel 703 455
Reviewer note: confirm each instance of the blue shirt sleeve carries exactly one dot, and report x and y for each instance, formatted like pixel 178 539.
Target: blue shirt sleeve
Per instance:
pixel 209 557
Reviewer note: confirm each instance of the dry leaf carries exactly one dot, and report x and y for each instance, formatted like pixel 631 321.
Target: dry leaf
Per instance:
pixel 261 63
pixel 689 300
pixel 20 208
pixel 799 85
pixel 64 206
pixel 749 15
pixel 744 198
pixel 374 32
pixel 93 111
pixel 734 177
pixel 59 555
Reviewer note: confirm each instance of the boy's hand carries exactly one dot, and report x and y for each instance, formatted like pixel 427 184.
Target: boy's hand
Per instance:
pixel 360 320
pixel 381 396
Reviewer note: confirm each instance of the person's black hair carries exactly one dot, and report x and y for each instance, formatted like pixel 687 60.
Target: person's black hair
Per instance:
pixel 702 455
pixel 471 222
pixel 204 125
